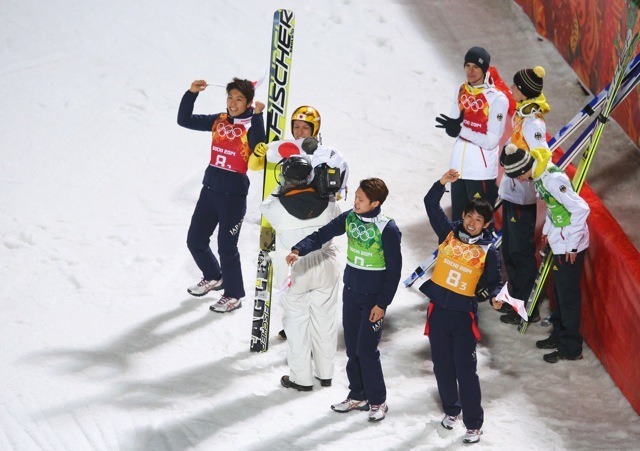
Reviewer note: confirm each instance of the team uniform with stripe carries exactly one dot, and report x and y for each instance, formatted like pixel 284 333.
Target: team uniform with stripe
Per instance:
pixel 566 230
pixel 223 198
pixel 371 277
pixel 451 324
pixel 475 151
pixel 519 210
pixel 310 303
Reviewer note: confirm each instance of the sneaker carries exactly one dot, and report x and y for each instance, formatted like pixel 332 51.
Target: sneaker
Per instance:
pixel 511 318
pixel 547 343
pixel 286 383
pixel 449 421
pixel 226 304
pixel 378 412
pixel 472 436
pixel 324 382
pixel 558 355
pixel 350 404
pixel 204 286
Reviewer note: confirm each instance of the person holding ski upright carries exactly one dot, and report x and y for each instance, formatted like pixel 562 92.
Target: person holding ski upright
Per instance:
pixel 309 302
pixel 565 230
pixel 371 277
pixel 305 123
pixel 465 254
pixel 223 197
pixel 519 197
pixel 305 128
pixel 477 121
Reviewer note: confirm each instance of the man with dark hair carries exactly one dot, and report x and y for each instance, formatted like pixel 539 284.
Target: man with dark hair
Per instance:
pixel 465 254
pixel 223 197
pixel 371 277
pixel 245 87
pixel 478 116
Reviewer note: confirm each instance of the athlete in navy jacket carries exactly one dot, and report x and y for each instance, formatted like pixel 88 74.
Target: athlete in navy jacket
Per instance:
pixel 223 198
pixel 371 277
pixel 465 254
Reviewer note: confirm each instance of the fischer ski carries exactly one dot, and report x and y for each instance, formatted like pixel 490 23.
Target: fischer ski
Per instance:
pixel 585 163
pixel 279 76
pixel 630 82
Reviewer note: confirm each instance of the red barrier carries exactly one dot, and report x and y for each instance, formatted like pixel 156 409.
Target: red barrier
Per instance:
pixel 611 297
pixel 589 35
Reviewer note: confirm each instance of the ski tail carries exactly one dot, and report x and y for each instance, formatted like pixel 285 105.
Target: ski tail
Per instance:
pixel 279 78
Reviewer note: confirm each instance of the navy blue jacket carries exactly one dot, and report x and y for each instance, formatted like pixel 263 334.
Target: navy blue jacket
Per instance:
pixel 491 278
pixel 217 179
pixel 381 285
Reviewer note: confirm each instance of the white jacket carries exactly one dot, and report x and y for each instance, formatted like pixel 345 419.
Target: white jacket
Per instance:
pixel 323 154
pixel 531 132
pixel 290 230
pixel 575 237
pixel 475 155
pixel 309 305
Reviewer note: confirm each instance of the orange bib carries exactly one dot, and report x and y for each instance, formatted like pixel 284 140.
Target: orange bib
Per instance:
pixel 459 266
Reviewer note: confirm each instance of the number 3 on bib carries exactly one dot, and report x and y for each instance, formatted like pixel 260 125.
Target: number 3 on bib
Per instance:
pixel 454 280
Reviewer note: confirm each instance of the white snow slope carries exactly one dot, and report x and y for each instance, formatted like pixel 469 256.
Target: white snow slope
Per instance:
pixel 102 348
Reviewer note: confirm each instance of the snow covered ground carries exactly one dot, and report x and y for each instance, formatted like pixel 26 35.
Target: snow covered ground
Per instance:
pixel 102 348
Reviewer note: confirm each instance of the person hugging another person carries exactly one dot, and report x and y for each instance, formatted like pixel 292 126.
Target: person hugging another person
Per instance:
pixel 519 197
pixel 371 277
pixel 295 210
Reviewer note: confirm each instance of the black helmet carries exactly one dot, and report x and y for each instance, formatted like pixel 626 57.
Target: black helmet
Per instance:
pixel 296 170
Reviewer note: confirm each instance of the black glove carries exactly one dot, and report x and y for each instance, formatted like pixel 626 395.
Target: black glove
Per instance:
pixel 451 126
pixel 482 294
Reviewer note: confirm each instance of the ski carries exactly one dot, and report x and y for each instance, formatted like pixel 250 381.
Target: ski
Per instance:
pixel 589 110
pixel 585 163
pixel 630 82
pixel 278 96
